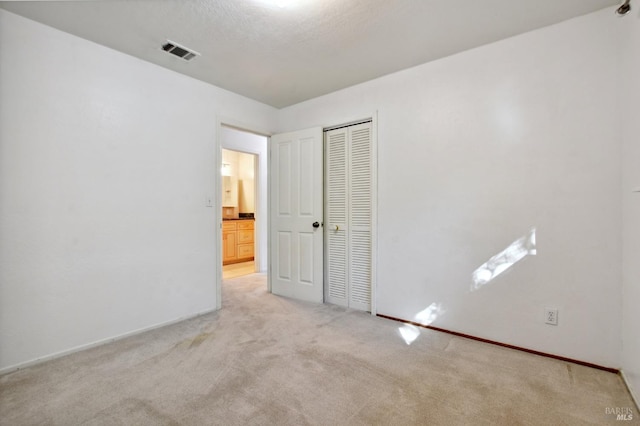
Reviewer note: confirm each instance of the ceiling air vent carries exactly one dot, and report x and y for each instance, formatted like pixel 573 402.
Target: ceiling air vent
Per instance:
pixel 179 51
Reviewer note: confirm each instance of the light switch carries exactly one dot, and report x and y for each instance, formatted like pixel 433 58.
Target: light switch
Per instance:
pixel 209 201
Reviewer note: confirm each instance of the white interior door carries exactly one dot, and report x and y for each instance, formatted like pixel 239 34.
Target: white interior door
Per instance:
pixel 296 267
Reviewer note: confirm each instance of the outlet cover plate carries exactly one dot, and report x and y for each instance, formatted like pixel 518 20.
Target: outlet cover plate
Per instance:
pixel 551 316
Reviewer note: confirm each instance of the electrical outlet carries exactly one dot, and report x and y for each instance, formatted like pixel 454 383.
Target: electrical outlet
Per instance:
pixel 551 316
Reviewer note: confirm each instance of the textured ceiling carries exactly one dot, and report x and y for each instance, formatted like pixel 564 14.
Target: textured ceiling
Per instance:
pixel 282 52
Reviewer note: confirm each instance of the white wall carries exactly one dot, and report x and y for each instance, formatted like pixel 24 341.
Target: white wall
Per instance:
pixel 230 158
pixel 255 144
pixel 476 149
pixel 246 182
pixel 106 163
pixel 630 105
pixel 242 167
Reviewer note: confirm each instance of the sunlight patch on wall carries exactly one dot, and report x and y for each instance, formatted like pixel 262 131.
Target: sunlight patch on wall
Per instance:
pixel 518 250
pixel 429 315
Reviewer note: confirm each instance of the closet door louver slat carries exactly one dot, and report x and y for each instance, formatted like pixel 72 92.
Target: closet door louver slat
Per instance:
pixel 336 200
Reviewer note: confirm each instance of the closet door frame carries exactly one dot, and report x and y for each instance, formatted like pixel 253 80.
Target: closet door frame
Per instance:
pixel 373 118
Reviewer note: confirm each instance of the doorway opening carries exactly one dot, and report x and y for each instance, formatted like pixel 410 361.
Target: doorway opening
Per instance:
pixel 243 200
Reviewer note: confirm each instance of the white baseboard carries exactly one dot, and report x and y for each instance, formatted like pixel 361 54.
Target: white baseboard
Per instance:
pixel 630 389
pixel 39 360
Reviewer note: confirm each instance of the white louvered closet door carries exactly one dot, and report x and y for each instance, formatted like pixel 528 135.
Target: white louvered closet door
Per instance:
pixel 348 216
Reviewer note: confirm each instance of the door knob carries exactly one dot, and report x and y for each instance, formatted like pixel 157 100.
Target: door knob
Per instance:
pixel 316 225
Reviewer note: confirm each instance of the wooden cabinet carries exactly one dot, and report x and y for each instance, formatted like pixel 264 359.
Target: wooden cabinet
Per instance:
pixel 237 241
pixel 229 242
pixel 245 239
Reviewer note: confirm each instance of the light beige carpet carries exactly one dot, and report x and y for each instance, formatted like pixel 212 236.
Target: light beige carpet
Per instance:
pixel 266 360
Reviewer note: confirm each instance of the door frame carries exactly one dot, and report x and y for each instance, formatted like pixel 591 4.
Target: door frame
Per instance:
pixel 239 125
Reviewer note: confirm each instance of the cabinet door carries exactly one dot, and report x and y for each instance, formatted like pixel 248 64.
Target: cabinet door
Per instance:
pixel 245 236
pixel 245 251
pixel 245 224
pixel 229 246
pixel 228 225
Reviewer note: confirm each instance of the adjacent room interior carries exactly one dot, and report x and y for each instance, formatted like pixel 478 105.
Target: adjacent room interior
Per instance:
pixel 238 213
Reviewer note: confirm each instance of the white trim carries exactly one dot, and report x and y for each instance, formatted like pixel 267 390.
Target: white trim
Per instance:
pixel 97 343
pixel 630 389
pixel 269 256
pixel 241 125
pixel 374 212
pixel 341 126
pixel 217 214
